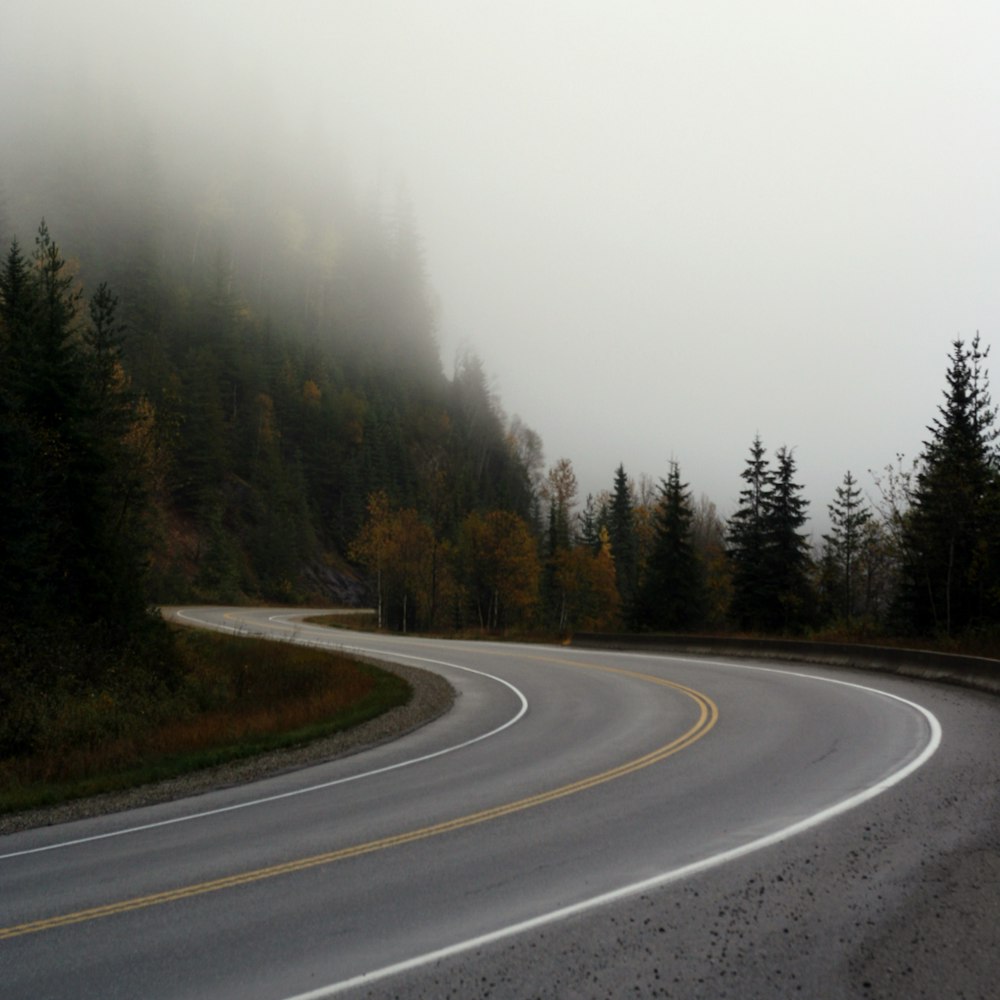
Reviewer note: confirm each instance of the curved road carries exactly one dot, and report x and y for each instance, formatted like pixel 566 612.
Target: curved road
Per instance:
pixel 581 824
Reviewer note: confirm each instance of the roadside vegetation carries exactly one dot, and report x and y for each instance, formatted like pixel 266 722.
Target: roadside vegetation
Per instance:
pixel 231 698
pixel 252 423
pixel 357 621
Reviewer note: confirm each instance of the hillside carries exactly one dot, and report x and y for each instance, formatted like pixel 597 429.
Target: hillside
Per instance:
pixel 279 332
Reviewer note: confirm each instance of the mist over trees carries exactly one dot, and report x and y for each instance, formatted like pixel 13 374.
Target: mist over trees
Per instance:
pixel 231 359
pixel 282 331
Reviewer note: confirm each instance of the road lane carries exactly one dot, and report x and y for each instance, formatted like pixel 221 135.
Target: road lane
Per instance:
pixel 786 746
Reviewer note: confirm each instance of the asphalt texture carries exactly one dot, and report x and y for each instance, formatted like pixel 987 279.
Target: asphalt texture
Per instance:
pixel 446 841
pixel 897 899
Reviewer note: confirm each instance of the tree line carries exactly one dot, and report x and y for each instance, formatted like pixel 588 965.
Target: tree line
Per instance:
pixel 234 392
pixel 920 558
pixel 276 366
pixel 180 443
pixel 213 457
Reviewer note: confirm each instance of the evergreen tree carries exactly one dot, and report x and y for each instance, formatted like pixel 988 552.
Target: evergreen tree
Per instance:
pixel 672 595
pixel 43 404
pixel 73 548
pixel 591 522
pixel 788 559
pixel 25 475
pixel 748 545
pixel 201 456
pixel 950 533
pixel 624 545
pixel 768 552
pixel 844 547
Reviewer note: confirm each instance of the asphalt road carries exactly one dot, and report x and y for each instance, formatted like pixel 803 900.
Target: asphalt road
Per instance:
pixel 581 824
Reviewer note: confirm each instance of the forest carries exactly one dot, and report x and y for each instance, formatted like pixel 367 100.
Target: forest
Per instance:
pixel 227 393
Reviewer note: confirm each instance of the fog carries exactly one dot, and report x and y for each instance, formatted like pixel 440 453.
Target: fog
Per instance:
pixel 665 227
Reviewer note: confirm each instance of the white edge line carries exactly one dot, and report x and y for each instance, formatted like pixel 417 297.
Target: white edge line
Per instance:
pixel 311 788
pixel 664 878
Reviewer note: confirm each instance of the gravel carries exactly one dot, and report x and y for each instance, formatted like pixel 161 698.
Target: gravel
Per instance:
pixel 432 697
pixel 898 899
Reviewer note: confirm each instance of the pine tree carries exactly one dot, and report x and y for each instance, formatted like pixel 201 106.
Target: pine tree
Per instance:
pixel 624 545
pixel 768 552
pixel 72 549
pixel 950 566
pixel 747 537
pixel 672 595
pixel 43 404
pixel 788 547
pixel 592 520
pixel 843 547
pixel 25 475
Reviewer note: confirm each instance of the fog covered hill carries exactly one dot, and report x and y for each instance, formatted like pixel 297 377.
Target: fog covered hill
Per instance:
pixel 280 330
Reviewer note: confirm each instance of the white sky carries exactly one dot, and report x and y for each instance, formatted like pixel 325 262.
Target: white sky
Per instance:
pixel 664 226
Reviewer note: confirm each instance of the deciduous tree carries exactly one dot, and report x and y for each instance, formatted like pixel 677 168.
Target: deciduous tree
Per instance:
pixel 370 547
pixel 586 582
pixel 499 568
pixel 709 537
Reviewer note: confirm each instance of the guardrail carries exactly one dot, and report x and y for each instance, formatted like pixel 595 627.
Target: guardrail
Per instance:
pixel 976 672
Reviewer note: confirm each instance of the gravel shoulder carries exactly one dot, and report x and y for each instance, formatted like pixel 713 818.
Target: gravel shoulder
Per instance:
pixel 898 899
pixel 432 697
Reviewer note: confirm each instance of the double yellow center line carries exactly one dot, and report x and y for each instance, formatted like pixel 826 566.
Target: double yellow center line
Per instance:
pixel 708 714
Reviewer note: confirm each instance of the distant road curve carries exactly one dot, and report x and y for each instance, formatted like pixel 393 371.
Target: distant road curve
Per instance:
pixel 582 823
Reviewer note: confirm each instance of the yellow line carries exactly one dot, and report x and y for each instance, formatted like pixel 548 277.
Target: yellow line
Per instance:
pixel 707 717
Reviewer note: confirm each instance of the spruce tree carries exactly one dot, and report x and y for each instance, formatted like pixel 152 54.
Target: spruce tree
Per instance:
pixel 950 534
pixel 25 474
pixel 767 549
pixel 43 404
pixel 624 544
pixel 672 595
pixel 788 547
pixel 843 546
pixel 592 521
pixel 748 540
pixel 68 553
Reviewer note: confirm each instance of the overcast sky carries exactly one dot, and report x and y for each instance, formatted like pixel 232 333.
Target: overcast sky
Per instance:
pixel 665 227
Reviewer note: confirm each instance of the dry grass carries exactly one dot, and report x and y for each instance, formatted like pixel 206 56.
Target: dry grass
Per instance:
pixel 356 621
pixel 238 697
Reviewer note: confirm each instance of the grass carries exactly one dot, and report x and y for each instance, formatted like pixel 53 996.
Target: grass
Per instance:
pixel 356 621
pixel 237 698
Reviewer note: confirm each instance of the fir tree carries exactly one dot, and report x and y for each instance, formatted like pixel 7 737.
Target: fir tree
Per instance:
pixel 747 537
pixel 843 547
pixel 672 595
pixel 591 522
pixel 788 559
pixel 950 549
pixel 73 547
pixel 624 544
pixel 768 552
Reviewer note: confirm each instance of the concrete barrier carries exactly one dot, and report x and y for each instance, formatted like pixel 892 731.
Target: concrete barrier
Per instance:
pixel 976 672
